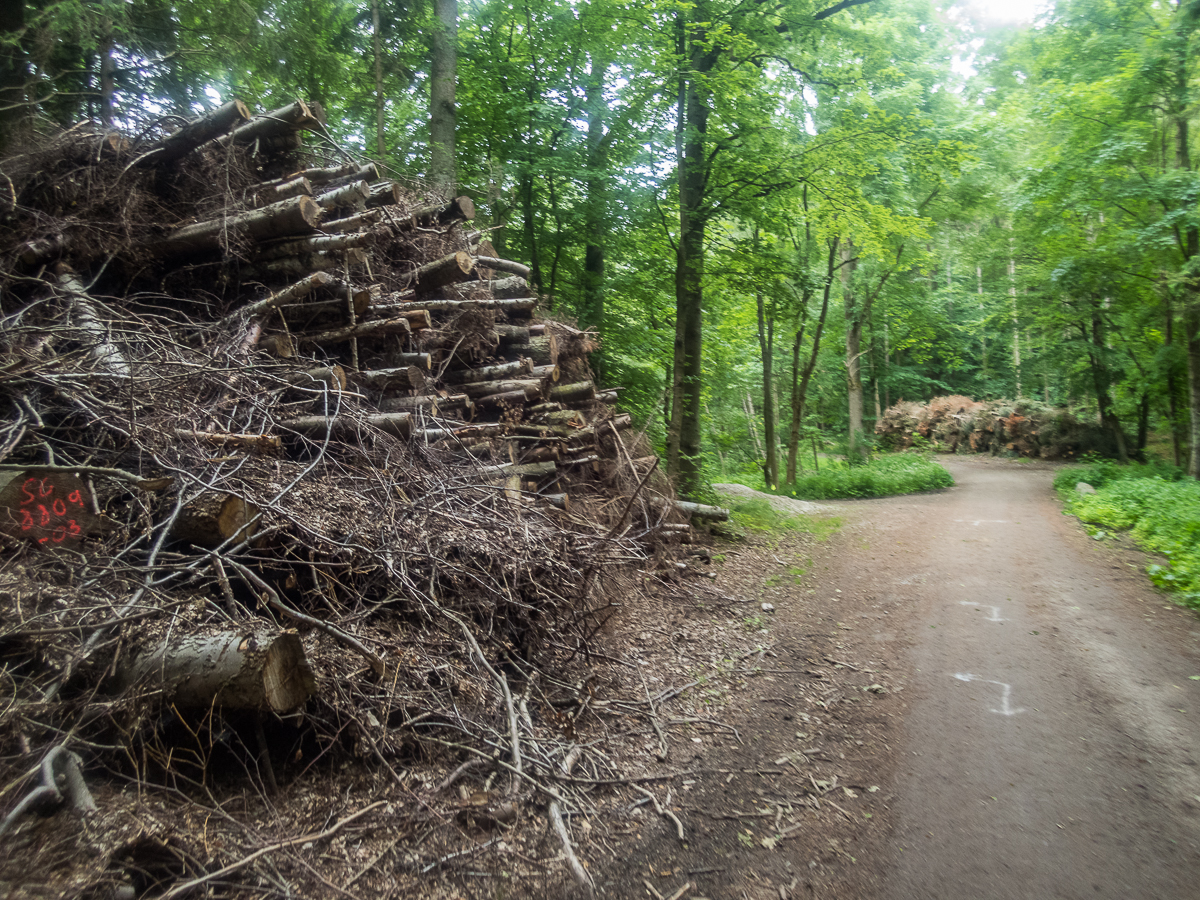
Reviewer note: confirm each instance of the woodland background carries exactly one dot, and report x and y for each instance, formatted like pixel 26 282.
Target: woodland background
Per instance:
pixel 783 217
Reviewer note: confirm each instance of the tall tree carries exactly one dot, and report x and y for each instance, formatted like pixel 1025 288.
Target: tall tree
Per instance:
pixel 443 113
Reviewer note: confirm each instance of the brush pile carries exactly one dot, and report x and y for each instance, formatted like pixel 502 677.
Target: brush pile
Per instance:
pixel 309 525
pixel 961 425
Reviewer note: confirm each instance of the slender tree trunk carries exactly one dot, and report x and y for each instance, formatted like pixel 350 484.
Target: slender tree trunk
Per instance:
pixel 799 397
pixel 380 148
pixel 108 70
pixel 529 227
pixel 794 429
pixel 442 112
pixel 766 348
pixel 596 203
pixel 1012 292
pixel 1173 387
pixel 855 447
pixel 1102 381
pixel 13 68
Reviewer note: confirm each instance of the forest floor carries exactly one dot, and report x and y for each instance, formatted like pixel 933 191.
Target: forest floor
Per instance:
pixel 956 694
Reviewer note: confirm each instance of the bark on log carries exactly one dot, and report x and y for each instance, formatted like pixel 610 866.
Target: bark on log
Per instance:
pixel 295 216
pixel 93 333
pixel 259 443
pixel 543 351
pixel 457 210
pixel 701 511
pixel 318 243
pixel 368 173
pixel 399 378
pixel 531 388
pixel 417 318
pixel 532 469
pixel 346 170
pixel 373 328
pixel 606 397
pixel 385 194
pixel 235 670
pixel 333 376
pixel 503 265
pixel 558 501
pixel 361 301
pixel 355 195
pixel 199 131
pixel 513 286
pixel 569 417
pixel 461 433
pixel 356 222
pixel 505 398
pixel 487 373
pixel 543 408
pixel 297 187
pixel 282 121
pixel 397 423
pixel 580 390
pixel 289 294
pixel 399 404
pixel 549 374
pixel 40 250
pixel 450 269
pixel 512 334
pixel 518 305
pixel 214 518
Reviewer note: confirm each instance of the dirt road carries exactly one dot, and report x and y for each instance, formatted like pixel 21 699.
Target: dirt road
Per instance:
pixel 1051 735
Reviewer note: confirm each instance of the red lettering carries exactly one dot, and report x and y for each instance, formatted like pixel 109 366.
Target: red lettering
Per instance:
pixel 75 498
pixel 73 528
pixel 44 520
pixel 46 488
pixel 60 508
pixel 26 520
pixel 43 540
pixel 29 495
pixel 60 534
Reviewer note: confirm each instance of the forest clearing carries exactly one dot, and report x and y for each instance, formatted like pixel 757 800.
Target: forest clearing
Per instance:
pixel 410 412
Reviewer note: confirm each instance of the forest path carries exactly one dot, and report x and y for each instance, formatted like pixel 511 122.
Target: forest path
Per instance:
pixel 1049 743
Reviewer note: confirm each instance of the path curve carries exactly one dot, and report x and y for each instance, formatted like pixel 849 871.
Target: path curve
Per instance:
pixel 1051 733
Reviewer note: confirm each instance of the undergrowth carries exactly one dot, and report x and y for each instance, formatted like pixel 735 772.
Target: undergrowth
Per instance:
pixel 882 476
pixel 1156 503
pixel 759 515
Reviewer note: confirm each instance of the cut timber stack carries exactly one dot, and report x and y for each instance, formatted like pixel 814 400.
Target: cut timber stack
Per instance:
pixel 294 480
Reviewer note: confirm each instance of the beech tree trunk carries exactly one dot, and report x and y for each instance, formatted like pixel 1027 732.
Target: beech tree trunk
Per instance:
pixel 443 48
pixel 855 447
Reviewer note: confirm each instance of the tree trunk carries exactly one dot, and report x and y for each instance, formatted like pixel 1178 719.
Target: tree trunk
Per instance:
pixel 1102 382
pixel 683 447
pixel 596 201
pixel 855 447
pixel 199 131
pixel 443 72
pixel 380 147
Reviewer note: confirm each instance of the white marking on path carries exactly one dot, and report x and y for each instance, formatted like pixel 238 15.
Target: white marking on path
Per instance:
pixel 978 522
pixel 995 617
pixel 1005 709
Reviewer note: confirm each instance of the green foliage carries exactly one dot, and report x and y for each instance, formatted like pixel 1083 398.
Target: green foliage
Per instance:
pixel 1158 507
pixel 882 476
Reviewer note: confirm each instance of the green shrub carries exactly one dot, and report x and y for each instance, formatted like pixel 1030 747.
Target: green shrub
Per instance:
pixel 1157 505
pixel 882 476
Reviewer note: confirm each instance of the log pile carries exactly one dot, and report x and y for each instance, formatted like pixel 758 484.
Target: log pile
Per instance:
pixel 294 474
pixel 1023 428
